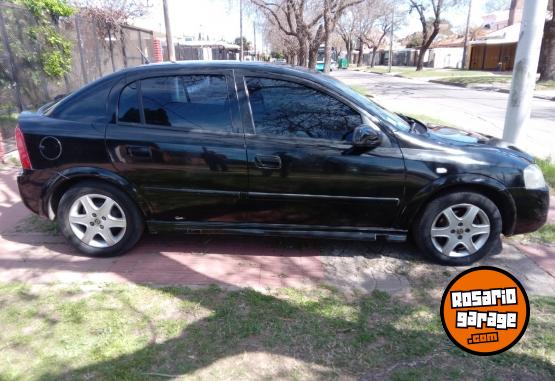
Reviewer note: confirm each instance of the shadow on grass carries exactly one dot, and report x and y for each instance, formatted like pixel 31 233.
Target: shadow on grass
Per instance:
pixel 372 337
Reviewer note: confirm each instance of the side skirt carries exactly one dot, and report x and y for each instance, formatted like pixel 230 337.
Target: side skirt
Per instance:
pixel 300 231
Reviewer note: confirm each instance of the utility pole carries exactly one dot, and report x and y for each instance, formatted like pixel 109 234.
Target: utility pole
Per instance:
pixel 390 61
pixel 254 37
pixel 241 29
pixel 525 68
pixel 466 34
pixel 169 38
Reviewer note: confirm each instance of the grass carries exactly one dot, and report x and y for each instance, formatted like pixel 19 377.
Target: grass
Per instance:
pixel 427 119
pixel 36 224
pixel 410 72
pixel 130 332
pixel 548 169
pixel 479 80
pixel 545 85
pixel 545 235
pixel 361 90
pixel 9 117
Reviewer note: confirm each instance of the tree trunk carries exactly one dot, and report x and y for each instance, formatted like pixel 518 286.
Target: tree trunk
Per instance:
pixel 301 54
pixel 360 51
pixel 424 48
pixel 420 59
pixel 327 53
pixel 313 56
pixel 374 50
pixel 547 63
pixel 350 51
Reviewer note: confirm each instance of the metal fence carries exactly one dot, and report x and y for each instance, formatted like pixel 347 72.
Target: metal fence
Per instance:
pixel 23 83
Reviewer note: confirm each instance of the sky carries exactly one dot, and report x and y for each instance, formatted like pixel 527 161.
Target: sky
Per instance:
pixel 219 19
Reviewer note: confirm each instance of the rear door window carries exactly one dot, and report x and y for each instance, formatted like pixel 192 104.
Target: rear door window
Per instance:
pixel 192 101
pixel 129 111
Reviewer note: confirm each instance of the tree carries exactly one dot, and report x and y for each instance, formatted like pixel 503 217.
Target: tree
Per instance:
pixel 246 43
pixel 377 36
pixel 497 5
pixel 430 26
pixel 346 30
pixel 299 19
pixel 109 16
pixel 547 56
pixel 310 22
pixel 55 50
pixel 365 23
pixel 280 42
pixel 333 10
pixel 381 27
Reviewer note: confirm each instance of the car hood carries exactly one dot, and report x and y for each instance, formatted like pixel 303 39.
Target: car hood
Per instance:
pixel 458 137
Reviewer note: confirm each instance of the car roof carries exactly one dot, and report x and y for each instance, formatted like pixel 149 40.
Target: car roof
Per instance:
pixel 254 66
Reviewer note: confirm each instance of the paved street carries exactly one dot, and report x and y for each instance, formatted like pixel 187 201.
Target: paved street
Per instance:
pixel 481 111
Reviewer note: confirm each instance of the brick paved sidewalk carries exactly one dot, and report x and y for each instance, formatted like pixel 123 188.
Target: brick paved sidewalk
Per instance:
pixel 224 260
pixel 258 263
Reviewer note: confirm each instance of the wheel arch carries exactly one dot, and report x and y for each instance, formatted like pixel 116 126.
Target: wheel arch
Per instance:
pixel 490 188
pixel 54 189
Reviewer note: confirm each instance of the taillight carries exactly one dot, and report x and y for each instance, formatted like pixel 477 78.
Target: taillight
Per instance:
pixel 22 149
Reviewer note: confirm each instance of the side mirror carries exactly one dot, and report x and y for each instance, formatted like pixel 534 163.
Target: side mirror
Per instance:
pixel 365 136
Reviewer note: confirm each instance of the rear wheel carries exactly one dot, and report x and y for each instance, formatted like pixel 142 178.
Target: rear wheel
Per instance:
pixel 458 228
pixel 99 219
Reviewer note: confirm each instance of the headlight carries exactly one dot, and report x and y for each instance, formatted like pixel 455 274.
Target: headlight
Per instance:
pixel 533 177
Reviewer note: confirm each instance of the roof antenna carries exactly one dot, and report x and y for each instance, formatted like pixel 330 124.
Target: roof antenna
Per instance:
pixel 147 61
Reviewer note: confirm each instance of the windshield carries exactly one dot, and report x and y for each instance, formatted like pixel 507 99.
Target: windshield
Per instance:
pixel 384 115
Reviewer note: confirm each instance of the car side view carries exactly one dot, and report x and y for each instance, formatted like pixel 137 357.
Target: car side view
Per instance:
pixel 252 148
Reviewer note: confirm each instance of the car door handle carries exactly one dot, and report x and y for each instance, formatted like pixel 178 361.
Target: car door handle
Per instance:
pixel 139 151
pixel 267 161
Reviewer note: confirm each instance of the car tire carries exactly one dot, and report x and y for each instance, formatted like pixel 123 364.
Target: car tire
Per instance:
pixel 452 228
pixel 99 219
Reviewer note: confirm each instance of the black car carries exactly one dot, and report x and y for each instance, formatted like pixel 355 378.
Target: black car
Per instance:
pixel 250 148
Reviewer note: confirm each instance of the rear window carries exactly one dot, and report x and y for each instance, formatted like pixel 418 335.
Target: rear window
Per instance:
pixel 87 105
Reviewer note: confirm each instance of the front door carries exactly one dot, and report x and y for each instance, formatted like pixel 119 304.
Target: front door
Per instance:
pixel 175 139
pixel 303 169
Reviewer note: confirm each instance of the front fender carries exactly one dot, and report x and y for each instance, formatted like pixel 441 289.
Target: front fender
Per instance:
pixel 490 187
pixel 55 187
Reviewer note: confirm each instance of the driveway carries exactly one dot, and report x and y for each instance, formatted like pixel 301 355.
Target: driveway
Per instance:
pixel 481 111
pixel 32 252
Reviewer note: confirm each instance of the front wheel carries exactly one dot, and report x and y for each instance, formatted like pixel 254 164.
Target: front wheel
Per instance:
pixel 99 219
pixel 458 228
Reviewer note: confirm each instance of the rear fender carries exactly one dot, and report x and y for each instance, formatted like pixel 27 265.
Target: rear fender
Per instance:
pixel 54 189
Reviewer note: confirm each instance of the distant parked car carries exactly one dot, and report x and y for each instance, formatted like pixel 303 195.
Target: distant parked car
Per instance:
pixel 281 61
pixel 320 65
pixel 251 148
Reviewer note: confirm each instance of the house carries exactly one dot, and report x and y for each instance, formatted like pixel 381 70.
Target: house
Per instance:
pixel 446 53
pixel 206 50
pixel 497 49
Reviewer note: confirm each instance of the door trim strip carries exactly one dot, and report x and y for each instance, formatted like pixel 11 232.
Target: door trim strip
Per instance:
pixel 263 195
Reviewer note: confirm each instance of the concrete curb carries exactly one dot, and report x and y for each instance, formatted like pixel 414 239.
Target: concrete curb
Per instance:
pixel 441 82
pixel 486 88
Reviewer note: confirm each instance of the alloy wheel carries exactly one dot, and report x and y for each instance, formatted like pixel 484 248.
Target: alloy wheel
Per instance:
pixel 97 220
pixel 460 230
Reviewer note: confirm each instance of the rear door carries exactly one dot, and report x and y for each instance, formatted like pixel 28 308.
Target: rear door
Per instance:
pixel 176 138
pixel 303 169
